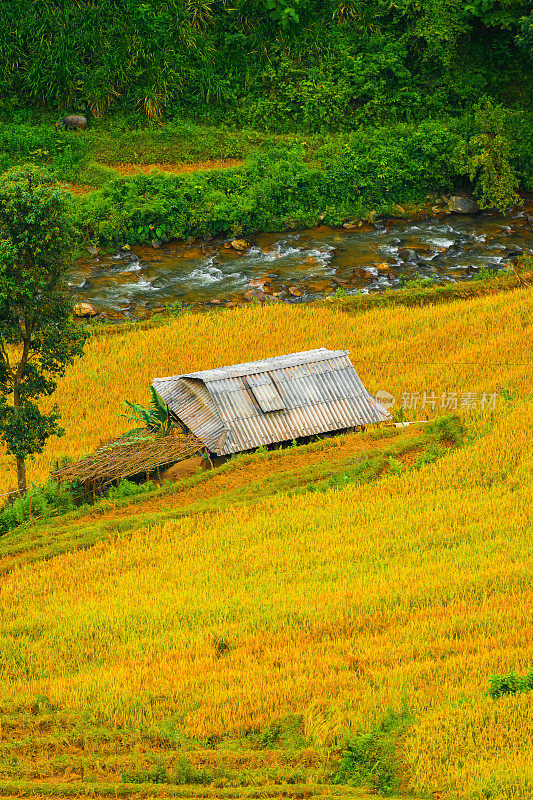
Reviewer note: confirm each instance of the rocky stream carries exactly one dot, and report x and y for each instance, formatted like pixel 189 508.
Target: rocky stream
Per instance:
pixel 300 266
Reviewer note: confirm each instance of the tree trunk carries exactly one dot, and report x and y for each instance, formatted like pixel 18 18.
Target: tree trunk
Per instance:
pixel 21 461
pixel 21 474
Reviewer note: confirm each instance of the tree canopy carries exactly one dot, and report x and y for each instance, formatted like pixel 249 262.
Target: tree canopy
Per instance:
pixel 38 338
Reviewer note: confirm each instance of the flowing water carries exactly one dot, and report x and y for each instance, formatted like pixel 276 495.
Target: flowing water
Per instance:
pixel 304 265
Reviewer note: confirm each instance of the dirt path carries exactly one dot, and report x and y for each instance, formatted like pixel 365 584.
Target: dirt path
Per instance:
pixel 176 169
pixel 219 483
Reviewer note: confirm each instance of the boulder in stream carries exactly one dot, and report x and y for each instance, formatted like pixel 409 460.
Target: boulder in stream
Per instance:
pixel 463 205
pixel 85 310
pixel 240 245
pixel 255 294
pixel 406 254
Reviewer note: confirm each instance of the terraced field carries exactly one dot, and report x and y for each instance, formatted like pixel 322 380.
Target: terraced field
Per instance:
pixel 318 621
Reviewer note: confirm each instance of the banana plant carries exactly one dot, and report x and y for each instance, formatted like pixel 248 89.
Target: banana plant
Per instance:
pixel 156 417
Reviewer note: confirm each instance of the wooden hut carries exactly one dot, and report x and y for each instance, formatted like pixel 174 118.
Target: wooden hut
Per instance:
pixel 243 406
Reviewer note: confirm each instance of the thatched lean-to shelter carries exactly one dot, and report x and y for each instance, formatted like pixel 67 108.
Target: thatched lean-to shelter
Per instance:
pixel 240 407
pixel 126 457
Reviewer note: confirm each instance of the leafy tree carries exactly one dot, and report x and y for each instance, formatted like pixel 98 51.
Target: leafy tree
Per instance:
pixel 525 37
pixel 485 158
pixel 38 338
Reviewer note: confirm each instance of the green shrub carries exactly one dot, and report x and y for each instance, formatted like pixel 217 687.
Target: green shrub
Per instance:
pixel 183 774
pixel 485 158
pixel 286 732
pixel 62 152
pixel 510 684
pixel 276 189
pixel 371 758
pixel 128 488
pixel 42 502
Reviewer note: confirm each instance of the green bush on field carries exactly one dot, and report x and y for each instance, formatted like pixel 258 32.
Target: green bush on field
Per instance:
pixel 510 684
pixel 285 186
pixel 126 488
pixel 61 151
pixel 53 499
pixel 183 774
pixel 371 758
pixel 41 502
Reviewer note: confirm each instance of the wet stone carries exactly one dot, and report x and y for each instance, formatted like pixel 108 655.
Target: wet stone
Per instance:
pixel 462 205
pixel 85 310
pixel 407 254
pixel 255 294
pixel 240 244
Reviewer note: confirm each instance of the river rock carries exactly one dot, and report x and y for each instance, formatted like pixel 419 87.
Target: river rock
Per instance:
pixel 255 294
pixel 462 205
pixel 93 250
pixel 240 245
pixel 85 310
pixel 295 291
pixel 514 250
pixel 363 273
pixel 406 254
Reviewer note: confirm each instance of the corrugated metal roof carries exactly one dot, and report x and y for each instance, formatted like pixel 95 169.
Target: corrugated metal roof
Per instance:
pixel 243 406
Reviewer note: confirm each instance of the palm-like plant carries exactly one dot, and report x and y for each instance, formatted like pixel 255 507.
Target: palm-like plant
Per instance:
pixel 156 418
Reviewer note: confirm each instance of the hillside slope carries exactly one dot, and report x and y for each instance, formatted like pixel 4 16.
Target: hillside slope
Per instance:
pixel 476 346
pixel 233 653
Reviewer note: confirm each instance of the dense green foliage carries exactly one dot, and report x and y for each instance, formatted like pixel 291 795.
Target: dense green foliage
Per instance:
pixel 372 758
pixel 37 337
pixel 366 103
pixel 316 65
pixel 40 502
pixel 485 156
pixel 290 187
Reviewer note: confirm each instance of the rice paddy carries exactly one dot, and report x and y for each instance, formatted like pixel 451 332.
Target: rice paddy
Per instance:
pixel 234 653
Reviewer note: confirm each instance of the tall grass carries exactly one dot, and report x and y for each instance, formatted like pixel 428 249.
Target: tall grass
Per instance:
pixel 405 594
